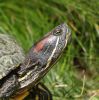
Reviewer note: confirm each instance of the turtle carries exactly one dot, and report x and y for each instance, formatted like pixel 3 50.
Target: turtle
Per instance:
pixel 20 74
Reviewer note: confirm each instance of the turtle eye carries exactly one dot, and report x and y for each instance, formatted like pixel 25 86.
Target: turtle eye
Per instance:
pixel 57 32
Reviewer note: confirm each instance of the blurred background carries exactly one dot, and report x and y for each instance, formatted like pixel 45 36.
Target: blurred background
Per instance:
pixel 76 75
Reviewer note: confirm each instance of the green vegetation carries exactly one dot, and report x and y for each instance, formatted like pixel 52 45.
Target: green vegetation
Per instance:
pixel 76 75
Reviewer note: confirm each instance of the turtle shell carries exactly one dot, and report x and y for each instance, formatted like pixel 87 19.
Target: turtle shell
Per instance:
pixel 11 54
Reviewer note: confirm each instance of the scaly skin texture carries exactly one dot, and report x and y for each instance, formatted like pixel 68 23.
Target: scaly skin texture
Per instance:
pixel 41 57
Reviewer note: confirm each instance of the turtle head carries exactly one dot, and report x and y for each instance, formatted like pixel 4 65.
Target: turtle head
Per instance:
pixel 43 55
pixel 51 46
pixel 56 42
